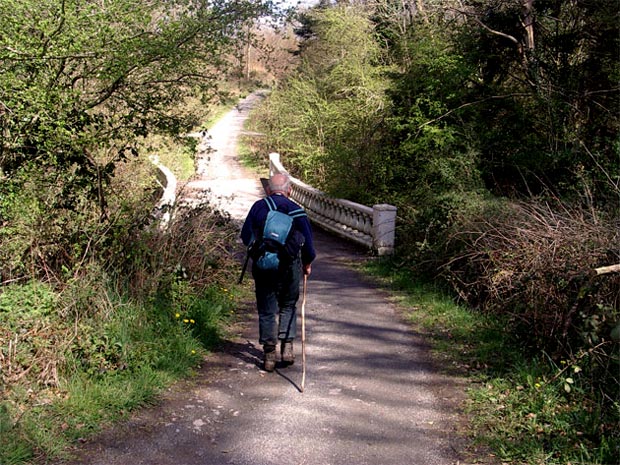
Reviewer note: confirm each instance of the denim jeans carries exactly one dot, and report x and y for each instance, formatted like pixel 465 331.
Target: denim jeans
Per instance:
pixel 277 293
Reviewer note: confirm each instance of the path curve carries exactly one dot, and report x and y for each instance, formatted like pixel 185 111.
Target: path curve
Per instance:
pixel 232 188
pixel 372 394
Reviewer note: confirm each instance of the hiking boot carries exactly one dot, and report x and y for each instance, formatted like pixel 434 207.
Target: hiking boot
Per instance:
pixel 288 356
pixel 270 358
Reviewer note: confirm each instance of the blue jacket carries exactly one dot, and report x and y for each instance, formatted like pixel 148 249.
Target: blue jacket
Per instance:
pixel 258 214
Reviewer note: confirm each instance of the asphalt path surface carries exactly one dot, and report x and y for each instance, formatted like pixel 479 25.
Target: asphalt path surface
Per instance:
pixel 372 395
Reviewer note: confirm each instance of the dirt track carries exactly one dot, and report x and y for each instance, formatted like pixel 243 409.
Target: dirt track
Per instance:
pixel 372 395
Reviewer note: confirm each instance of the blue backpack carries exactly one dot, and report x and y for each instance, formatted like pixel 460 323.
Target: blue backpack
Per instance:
pixel 279 241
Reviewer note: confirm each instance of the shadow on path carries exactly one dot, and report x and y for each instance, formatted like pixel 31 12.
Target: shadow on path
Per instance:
pixel 372 396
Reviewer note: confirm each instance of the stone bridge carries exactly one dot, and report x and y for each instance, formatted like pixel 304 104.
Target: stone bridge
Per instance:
pixel 372 227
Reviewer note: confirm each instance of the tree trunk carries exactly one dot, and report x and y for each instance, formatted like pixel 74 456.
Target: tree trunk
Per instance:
pixel 528 24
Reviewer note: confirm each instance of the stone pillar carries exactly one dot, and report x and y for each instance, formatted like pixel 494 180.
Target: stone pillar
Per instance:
pixel 383 228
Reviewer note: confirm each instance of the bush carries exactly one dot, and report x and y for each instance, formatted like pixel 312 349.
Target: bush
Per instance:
pixel 529 265
pixel 532 263
pixel 535 261
pixel 326 120
pixel 421 231
pixel 104 337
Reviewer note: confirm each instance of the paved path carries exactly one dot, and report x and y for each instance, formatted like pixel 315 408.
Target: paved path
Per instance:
pixel 372 396
pixel 231 187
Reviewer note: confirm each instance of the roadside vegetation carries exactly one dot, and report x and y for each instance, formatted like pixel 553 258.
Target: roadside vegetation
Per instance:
pixel 524 407
pixel 99 307
pixel 493 127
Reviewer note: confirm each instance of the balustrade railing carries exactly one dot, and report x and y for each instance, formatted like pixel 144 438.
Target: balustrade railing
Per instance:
pixel 372 227
pixel 168 181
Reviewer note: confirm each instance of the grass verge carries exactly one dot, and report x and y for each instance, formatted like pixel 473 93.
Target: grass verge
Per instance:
pixel 85 351
pixel 64 377
pixel 524 407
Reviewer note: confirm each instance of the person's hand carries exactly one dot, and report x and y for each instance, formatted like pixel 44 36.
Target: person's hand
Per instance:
pixel 308 269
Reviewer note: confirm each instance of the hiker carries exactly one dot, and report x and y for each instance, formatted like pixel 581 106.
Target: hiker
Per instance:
pixel 277 290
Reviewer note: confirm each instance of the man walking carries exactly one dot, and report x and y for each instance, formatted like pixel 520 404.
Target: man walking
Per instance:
pixel 277 290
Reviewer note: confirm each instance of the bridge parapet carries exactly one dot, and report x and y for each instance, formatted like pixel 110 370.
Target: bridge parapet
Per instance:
pixel 373 227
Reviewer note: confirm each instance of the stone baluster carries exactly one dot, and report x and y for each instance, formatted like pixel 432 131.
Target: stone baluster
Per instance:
pixel 374 227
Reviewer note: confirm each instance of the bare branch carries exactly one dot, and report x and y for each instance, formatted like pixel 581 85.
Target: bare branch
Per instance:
pixel 484 26
pixel 469 104
pixel 607 269
pixel 615 184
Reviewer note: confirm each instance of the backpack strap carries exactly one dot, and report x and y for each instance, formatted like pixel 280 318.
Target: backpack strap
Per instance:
pixel 271 204
pixel 297 213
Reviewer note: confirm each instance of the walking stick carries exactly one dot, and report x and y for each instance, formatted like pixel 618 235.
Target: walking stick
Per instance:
pixel 303 335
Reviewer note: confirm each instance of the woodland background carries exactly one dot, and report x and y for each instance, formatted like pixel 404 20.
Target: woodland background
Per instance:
pixel 492 125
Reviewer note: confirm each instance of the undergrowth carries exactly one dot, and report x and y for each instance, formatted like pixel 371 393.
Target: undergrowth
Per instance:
pixel 127 311
pixel 66 375
pixel 526 407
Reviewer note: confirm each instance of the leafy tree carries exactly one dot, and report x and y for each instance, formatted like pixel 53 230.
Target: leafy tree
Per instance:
pixel 431 151
pixel 549 77
pixel 327 117
pixel 82 81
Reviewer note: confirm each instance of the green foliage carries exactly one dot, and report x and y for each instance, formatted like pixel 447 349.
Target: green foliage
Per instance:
pixel 202 315
pixel 545 107
pixel 20 303
pixel 80 85
pixel 50 232
pixel 69 375
pixel 30 334
pixel 534 417
pixel 98 340
pixel 431 154
pixel 13 447
pixel 326 119
pixel 86 90
pixel 177 155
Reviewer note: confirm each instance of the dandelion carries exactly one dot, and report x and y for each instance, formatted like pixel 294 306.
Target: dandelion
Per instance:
pixel 537 385
pixel 192 321
pixel 193 351
pixel 185 320
pixel 177 315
